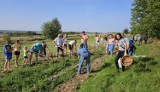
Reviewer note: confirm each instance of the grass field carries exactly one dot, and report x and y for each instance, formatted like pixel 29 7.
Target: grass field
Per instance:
pixel 142 76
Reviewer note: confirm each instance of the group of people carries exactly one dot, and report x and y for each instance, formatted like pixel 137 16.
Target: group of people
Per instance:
pixel 61 43
pixel 124 44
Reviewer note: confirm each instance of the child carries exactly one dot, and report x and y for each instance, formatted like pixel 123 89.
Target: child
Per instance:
pixel 16 49
pixel 25 54
pixel 8 55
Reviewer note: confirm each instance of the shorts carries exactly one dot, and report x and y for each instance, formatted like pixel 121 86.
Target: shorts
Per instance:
pixel 70 47
pixel 33 51
pixel 8 55
pixel 25 57
pixel 59 48
pixel 17 53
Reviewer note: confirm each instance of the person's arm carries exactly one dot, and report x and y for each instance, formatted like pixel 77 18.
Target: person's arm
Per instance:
pixel 75 46
pixel 54 41
pixel 125 48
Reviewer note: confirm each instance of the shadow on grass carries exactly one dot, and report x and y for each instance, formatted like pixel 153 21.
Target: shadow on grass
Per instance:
pixel 105 65
pixel 146 59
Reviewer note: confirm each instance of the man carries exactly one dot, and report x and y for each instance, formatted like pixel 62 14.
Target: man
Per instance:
pixel 83 54
pixel 129 44
pixel 35 49
pixel 59 43
pixel 84 39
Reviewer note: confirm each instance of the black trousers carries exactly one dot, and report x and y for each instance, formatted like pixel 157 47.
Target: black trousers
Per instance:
pixel 119 55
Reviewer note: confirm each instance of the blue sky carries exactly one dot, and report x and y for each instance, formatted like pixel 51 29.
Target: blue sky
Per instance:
pixel 74 15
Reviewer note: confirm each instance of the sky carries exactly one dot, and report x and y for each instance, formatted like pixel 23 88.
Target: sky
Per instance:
pixel 74 15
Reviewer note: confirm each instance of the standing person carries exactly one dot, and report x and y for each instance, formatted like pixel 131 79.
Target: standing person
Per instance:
pixel 8 55
pixel 83 54
pixel 71 46
pixel 122 50
pixel 58 43
pixel 145 38
pixel 84 39
pixel 16 49
pixel 65 43
pixel 97 38
pixel 35 49
pixel 25 50
pixel 140 39
pixel 111 44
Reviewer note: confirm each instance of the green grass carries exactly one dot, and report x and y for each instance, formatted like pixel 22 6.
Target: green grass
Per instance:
pixel 37 78
pixel 142 76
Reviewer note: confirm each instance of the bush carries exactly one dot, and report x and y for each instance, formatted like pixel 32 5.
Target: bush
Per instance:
pixel 6 37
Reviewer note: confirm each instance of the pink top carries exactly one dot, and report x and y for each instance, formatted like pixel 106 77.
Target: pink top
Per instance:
pixel 111 41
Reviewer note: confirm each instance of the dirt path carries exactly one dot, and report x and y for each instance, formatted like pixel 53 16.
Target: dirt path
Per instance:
pixel 73 84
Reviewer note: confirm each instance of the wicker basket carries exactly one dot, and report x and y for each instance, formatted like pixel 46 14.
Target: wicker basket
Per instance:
pixel 127 60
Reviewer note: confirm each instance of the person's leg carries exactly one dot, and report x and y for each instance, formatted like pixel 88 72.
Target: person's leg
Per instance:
pixel 88 63
pixel 36 55
pixel 30 58
pixel 62 52
pixel 57 51
pixel 80 63
pixel 44 51
pixel 5 65
pixel 8 64
pixel 116 60
pixel 16 61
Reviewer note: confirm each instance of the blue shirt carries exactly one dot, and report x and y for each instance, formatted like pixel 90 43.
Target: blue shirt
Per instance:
pixel 7 49
pixel 81 51
pixel 37 46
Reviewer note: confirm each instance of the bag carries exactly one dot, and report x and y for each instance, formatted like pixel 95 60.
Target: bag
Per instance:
pixel 120 62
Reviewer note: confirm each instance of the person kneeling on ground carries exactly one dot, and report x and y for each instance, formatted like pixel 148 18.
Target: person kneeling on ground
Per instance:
pixel 83 54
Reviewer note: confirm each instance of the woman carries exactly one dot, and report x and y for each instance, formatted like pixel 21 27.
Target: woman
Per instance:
pixel 111 43
pixel 97 38
pixel 122 48
pixel 16 48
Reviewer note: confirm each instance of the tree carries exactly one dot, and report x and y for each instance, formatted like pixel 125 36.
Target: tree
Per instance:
pixel 51 29
pixel 126 31
pixel 145 17
pixel 6 37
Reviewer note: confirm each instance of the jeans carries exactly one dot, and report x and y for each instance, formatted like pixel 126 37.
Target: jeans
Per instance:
pixel 85 45
pixel 84 56
pixel 119 55
pixel 111 47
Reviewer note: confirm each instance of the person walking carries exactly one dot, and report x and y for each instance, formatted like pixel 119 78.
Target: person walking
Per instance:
pixel 122 50
pixel 111 44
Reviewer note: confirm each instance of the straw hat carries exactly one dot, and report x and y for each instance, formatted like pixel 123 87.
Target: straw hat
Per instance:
pixel 127 60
